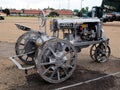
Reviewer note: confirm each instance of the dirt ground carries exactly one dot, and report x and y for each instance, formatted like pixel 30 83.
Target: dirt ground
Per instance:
pixel 13 79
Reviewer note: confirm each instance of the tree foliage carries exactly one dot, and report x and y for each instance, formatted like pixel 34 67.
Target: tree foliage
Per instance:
pixel 81 12
pixel 76 11
pixel 84 10
pixel 7 11
pixel 53 14
pixel 111 5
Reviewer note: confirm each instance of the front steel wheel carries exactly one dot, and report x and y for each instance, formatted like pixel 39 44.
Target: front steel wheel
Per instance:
pixel 56 61
pixel 100 52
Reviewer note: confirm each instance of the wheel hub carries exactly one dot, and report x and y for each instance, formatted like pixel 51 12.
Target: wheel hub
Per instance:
pixel 59 63
pixel 59 59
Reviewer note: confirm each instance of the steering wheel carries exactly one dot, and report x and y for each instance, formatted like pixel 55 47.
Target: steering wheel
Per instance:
pixel 41 19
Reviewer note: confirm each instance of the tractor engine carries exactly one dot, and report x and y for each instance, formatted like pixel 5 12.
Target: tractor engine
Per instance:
pixel 78 29
pixel 85 32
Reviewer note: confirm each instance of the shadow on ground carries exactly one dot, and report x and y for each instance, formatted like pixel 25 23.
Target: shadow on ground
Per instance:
pixel 34 82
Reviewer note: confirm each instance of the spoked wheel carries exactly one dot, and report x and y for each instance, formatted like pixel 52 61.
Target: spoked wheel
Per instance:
pixel 56 61
pixel 100 52
pixel 25 47
pixel 92 51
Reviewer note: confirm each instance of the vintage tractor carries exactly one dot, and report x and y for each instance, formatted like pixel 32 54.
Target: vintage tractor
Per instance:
pixel 55 57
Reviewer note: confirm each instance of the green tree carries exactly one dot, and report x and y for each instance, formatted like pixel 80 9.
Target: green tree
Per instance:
pixel 81 12
pixel 63 9
pixel 53 14
pixel 84 10
pixel 51 8
pixel 6 11
pixel 76 11
pixel 23 10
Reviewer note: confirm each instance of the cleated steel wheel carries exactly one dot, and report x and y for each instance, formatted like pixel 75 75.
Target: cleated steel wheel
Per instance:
pixel 25 47
pixel 56 61
pixel 92 51
pixel 100 52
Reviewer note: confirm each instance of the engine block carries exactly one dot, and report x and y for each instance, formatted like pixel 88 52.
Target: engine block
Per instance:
pixel 57 24
pixel 82 29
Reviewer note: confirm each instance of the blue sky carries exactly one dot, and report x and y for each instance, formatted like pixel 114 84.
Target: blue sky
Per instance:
pixel 57 4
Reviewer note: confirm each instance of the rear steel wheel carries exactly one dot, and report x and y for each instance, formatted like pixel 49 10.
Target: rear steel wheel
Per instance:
pixel 56 61
pixel 26 46
pixel 100 52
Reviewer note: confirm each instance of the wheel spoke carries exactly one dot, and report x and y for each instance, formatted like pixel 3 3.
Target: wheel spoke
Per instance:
pixel 47 63
pixel 58 74
pixel 65 71
pixel 26 58
pixel 93 54
pixel 69 66
pixel 32 58
pixel 21 51
pixel 50 48
pixel 46 70
pixel 22 44
pixel 95 46
pixel 99 57
pixel 65 54
pixel 107 52
pixel 93 50
pixel 64 47
pixel 53 73
pixel 70 59
pixel 26 36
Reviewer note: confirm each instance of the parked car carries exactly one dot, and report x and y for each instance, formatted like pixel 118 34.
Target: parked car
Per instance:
pixel 110 17
pixel 117 15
